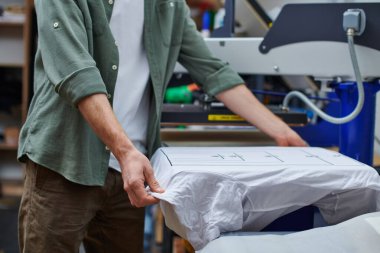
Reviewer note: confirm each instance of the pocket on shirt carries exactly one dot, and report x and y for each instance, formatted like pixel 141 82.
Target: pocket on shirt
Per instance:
pixel 171 21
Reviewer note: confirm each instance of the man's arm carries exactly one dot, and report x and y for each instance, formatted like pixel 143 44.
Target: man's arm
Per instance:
pixel 242 102
pixel 215 76
pixel 135 167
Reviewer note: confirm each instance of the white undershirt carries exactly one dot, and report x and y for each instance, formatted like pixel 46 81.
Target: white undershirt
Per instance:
pixel 131 97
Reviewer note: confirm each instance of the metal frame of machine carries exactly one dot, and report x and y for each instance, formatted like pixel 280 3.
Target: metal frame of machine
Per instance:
pixel 318 49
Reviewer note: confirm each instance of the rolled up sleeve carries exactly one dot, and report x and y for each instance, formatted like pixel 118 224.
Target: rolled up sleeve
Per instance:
pixel 211 73
pixel 64 47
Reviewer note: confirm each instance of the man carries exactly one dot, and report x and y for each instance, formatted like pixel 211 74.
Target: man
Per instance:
pixel 93 54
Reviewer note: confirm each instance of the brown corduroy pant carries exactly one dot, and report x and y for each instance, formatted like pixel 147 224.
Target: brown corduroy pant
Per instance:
pixel 56 215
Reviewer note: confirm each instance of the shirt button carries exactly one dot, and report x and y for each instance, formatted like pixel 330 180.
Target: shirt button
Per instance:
pixel 114 67
pixel 110 1
pixel 56 24
pixel 109 96
pixel 107 148
pixel 116 43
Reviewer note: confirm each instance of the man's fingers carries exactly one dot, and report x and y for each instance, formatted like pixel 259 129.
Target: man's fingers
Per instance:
pixel 298 141
pixel 138 195
pixel 303 144
pixel 143 198
pixel 135 172
pixel 151 180
pixel 131 194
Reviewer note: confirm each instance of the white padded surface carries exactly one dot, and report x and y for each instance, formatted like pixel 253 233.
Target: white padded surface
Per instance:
pixel 358 235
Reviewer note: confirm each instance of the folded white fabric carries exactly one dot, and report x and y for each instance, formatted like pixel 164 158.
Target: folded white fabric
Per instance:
pixel 359 235
pixel 214 190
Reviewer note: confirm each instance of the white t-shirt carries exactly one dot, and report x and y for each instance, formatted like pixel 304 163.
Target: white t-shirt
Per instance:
pixel 131 97
pixel 212 190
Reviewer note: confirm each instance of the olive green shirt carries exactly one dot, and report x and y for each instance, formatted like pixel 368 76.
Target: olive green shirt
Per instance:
pixel 77 57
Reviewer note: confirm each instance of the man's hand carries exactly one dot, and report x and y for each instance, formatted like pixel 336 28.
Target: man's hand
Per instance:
pixel 136 170
pixel 290 138
pixel 241 101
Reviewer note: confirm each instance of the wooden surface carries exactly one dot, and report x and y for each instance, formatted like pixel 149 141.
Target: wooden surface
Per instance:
pixel 376 160
pixel 11 23
pixel 5 146
pixel 15 37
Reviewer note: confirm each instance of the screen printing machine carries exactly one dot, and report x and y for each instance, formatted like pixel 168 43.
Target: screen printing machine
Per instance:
pixel 218 198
